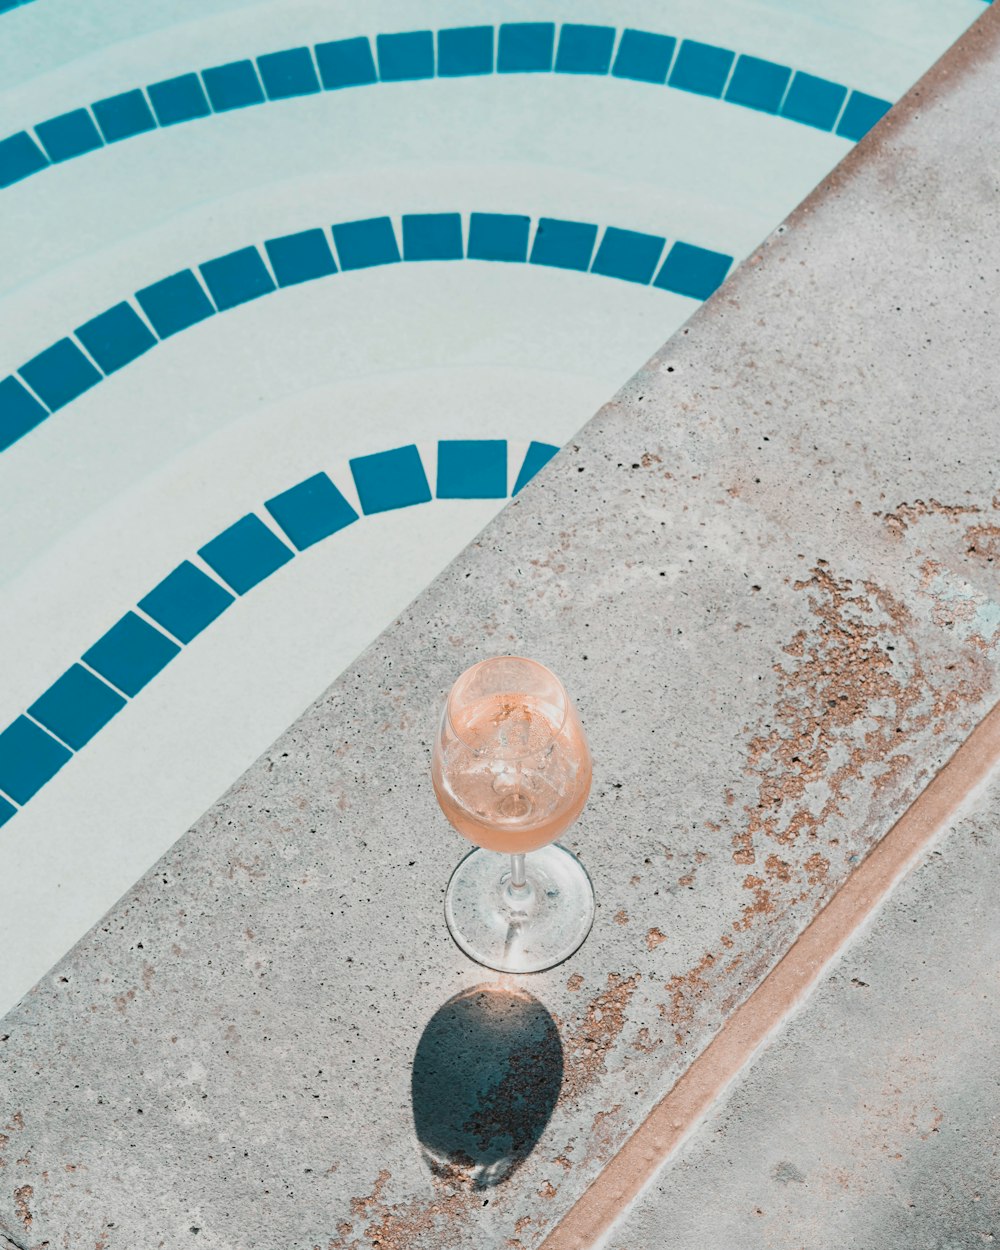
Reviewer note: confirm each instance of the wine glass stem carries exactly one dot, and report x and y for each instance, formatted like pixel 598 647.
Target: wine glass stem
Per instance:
pixel 517 878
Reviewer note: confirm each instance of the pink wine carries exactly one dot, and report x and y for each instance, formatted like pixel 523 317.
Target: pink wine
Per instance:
pixel 508 775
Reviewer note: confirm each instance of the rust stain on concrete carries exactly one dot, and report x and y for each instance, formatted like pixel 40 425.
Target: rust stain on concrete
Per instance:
pixel 22 1196
pixel 592 1038
pixel 654 937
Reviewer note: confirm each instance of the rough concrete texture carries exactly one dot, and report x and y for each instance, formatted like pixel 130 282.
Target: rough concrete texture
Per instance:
pixel 874 1120
pixel 765 573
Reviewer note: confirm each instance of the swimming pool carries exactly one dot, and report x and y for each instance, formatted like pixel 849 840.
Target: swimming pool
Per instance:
pixel 294 302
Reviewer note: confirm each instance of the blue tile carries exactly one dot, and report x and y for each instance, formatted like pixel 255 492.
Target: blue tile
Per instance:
pixel 70 135
pixel 59 374
pixel 245 553
pixel 361 244
pixel 498 236
pixel 20 411
pixel 758 84
pixel 390 479
pixel 432 236
pixel 6 809
pixel 178 99
pixel 76 706
pixel 861 113
pixel 116 337
pixel 693 271
pixel 310 511
pixel 232 86
pixel 564 244
pixel 186 601
pixel 701 68
pixel 644 56
pixel 20 156
pixel 289 73
pixel 536 457
pixel 465 50
pixel 346 63
pixel 525 47
pixel 29 757
pixel 174 303
pixel 300 257
pixel 131 653
pixel 125 115
pixel 813 101
pixel 406 56
pixel 628 254
pixel 237 277
pixel 472 468
pixel 584 49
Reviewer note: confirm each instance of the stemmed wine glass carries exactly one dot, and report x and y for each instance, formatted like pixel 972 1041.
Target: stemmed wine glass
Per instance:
pixel 512 771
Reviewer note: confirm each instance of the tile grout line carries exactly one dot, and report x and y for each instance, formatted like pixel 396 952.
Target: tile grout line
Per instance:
pixel 750 1028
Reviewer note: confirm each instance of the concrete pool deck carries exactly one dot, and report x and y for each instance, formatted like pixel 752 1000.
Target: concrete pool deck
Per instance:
pixel 765 572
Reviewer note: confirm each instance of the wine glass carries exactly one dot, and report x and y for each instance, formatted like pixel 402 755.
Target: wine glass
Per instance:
pixel 512 771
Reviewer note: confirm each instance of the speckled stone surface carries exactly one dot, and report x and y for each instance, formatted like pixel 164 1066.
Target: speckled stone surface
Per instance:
pixel 874 1119
pixel 765 573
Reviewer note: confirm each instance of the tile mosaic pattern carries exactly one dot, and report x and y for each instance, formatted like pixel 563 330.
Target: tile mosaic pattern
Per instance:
pixel 510 48
pixel 118 336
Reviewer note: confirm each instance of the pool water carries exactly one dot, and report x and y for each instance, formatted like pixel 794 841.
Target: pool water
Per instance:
pixel 294 300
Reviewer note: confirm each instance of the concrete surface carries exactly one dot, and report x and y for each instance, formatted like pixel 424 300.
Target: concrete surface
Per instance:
pixel 765 574
pixel 874 1120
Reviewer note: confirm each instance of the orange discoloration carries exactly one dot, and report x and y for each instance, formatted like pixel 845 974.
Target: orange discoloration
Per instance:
pixel 621 916
pixel 589 1043
pixel 685 989
pixel 575 981
pixel 654 937
pixel 22 1197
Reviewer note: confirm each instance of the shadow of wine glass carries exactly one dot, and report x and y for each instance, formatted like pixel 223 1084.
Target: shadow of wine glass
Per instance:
pixel 486 1075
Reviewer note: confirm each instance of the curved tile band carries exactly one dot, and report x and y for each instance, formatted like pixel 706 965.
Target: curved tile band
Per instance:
pixel 123 333
pixel 62 720
pixel 458 52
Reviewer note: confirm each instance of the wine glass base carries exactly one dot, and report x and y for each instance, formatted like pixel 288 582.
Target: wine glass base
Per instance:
pixel 520 930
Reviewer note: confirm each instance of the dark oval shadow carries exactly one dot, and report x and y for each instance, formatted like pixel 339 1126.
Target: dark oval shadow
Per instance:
pixel 486 1075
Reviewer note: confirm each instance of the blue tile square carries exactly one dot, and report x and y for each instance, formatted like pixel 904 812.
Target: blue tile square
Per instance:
pixel 758 84
pixel 245 553
pixel 289 73
pixel 525 47
pixel 564 244
pixel 131 653
pixel 472 468
pixel 178 99
pixel 300 257
pixel 701 68
pixel 361 244
pixel 70 135
pixel 76 706
pixel 406 56
pixel 310 511
pixel 20 411
pixel 125 115
pixel 29 757
pixel 59 374
pixel 860 114
pixel 232 86
pixel 186 601
pixel 465 50
pixel 628 254
pixel 536 457
pixel 174 303
pixel 346 63
pixel 498 236
pixel 813 101
pixel 20 156
pixel 584 49
pixel 116 337
pixel 237 277
pixel 643 56
pixel 390 479
pixel 432 236
pixel 6 811
pixel 693 271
